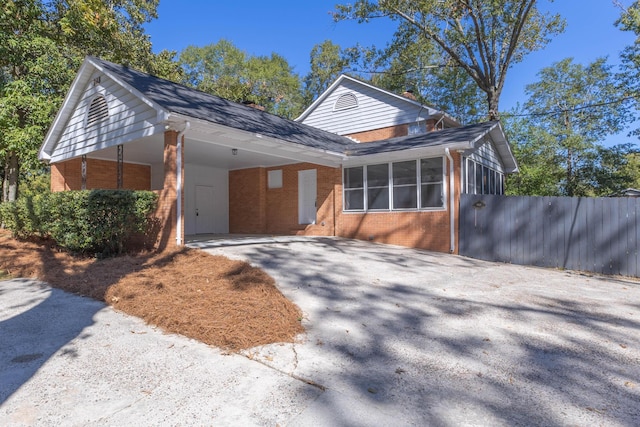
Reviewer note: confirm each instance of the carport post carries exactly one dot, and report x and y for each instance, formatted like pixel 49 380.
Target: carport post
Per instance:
pixel 179 171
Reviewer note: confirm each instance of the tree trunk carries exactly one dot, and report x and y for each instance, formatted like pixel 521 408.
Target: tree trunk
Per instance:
pixel 492 100
pixel 10 185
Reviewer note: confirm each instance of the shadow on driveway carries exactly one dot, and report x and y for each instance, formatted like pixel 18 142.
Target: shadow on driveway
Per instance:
pixel 434 339
pixel 36 328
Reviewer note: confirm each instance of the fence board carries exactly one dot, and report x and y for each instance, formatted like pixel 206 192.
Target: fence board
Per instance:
pixel 600 235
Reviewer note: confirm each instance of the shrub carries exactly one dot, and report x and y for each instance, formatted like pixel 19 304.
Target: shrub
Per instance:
pixel 91 221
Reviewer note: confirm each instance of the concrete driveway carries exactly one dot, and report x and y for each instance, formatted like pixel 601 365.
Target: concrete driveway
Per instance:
pixel 394 337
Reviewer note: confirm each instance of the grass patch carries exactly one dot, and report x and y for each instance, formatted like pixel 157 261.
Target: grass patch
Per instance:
pixel 213 299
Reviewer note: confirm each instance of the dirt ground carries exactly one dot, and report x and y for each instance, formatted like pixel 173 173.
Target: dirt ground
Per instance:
pixel 213 299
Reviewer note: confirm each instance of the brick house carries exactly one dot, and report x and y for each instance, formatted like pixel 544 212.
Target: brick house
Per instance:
pixel 360 162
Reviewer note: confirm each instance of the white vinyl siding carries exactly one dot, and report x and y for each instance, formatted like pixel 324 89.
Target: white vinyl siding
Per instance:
pixel 375 110
pixel 128 118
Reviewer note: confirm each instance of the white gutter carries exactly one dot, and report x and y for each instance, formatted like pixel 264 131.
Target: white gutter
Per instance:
pixel 187 126
pixel 452 236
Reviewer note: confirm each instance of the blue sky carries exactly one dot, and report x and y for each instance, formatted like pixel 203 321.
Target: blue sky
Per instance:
pixel 292 27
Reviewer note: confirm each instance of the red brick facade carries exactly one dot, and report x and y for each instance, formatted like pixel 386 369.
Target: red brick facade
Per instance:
pixel 388 132
pixel 100 174
pixel 256 209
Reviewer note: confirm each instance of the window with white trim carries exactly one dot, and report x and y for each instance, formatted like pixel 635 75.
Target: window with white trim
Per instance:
pixel 482 179
pixel 406 185
pixel 378 186
pixel 432 184
pixel 353 189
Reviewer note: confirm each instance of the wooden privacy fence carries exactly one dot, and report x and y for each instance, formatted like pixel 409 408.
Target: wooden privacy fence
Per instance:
pixel 599 235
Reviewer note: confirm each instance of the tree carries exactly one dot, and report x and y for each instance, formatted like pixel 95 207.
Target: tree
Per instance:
pixel 226 71
pixel 417 64
pixel 578 106
pixel 557 136
pixel 484 38
pixel 42 43
pixel 327 61
pixel 629 75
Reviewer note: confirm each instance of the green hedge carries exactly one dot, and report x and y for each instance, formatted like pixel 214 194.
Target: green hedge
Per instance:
pixel 92 221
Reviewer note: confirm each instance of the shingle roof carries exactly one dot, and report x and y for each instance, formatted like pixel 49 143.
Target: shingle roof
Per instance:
pixel 464 134
pixel 180 99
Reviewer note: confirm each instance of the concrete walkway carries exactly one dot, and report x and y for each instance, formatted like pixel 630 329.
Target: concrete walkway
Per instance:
pixel 394 337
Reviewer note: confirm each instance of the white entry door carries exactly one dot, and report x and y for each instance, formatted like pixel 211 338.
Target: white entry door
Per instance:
pixel 204 209
pixel 307 189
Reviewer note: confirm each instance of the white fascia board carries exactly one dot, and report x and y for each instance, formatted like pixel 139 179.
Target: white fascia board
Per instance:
pixel 67 108
pixel 400 155
pixel 504 148
pixel 71 100
pixel 260 143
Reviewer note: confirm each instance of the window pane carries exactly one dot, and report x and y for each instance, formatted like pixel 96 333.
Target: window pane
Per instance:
pixel 478 179
pixel 378 175
pixel 432 196
pixel 431 170
pixel 405 197
pixel 353 178
pixel 471 174
pixel 492 182
pixel 378 198
pixel 353 200
pixel 404 173
pixel 417 128
pixel 485 180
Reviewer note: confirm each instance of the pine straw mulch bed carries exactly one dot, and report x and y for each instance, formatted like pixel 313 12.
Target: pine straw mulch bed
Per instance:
pixel 225 303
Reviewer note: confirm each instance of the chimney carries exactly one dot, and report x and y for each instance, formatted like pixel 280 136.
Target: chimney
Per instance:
pixel 253 105
pixel 409 94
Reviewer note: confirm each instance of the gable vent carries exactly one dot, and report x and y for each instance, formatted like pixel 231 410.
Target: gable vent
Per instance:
pixel 98 110
pixel 348 100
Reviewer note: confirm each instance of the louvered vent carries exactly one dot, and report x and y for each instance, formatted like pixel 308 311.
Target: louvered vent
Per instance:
pixel 99 110
pixel 348 100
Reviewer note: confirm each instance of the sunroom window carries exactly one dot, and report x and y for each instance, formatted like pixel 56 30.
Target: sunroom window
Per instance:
pixel 354 189
pixel 406 185
pixel 432 190
pixel 482 179
pixel 378 186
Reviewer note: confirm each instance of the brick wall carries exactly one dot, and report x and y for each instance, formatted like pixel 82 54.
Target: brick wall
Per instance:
pixel 387 132
pixel 256 209
pixel 102 174
pixel 282 203
pixel 247 201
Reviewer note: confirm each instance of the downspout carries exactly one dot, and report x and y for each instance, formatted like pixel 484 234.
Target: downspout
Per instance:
pixel 187 126
pixel 452 200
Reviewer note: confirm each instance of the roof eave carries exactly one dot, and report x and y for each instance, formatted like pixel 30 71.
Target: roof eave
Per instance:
pixel 46 149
